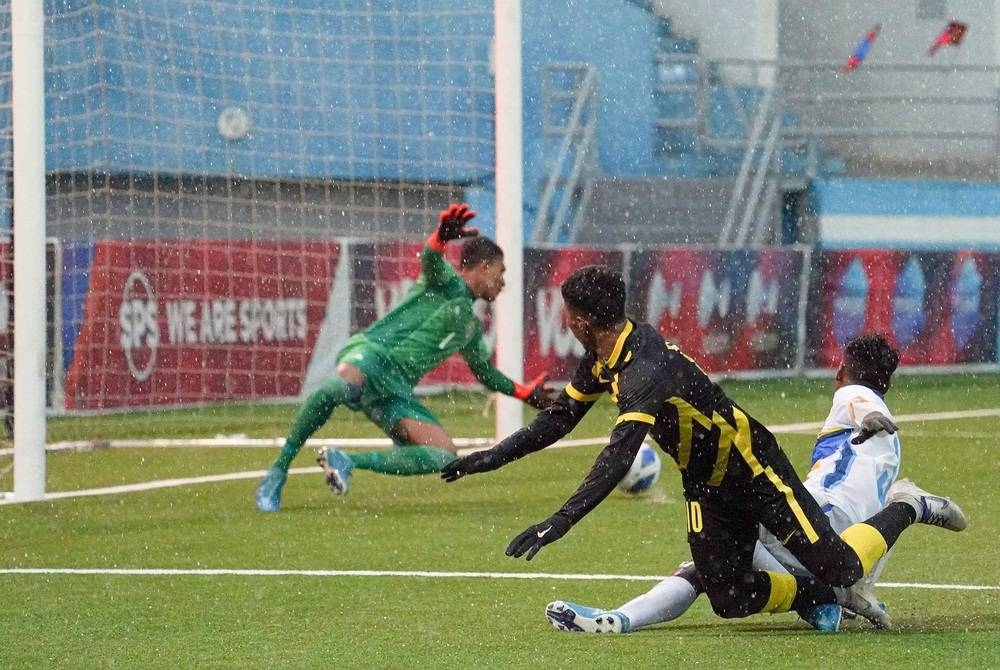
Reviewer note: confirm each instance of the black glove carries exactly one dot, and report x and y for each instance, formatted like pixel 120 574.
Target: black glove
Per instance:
pixel 451 225
pixel 470 464
pixel 872 425
pixel 536 393
pixel 538 536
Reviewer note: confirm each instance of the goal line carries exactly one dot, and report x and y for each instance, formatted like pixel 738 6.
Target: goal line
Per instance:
pixel 463 443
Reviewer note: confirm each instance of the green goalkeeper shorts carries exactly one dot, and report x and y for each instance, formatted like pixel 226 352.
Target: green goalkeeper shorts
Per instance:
pixel 386 398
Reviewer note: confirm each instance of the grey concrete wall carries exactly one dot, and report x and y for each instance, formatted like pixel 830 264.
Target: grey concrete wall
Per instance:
pixel 91 207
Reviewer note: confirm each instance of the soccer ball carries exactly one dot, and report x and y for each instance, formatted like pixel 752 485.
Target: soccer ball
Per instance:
pixel 643 473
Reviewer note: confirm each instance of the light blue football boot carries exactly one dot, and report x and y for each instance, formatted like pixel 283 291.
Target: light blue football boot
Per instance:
pixel 269 490
pixel 824 618
pixel 581 619
pixel 337 467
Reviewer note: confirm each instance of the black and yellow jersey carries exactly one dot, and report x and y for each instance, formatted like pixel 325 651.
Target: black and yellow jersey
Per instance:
pixel 661 392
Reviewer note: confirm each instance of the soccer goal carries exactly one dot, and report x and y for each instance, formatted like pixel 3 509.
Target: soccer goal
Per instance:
pixel 229 190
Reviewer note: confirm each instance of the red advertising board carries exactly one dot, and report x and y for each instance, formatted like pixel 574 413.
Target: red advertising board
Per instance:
pixel 936 307
pixel 384 272
pixel 548 342
pixel 729 310
pixel 176 322
pixel 194 321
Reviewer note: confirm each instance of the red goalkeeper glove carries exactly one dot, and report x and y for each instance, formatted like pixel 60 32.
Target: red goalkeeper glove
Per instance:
pixel 451 226
pixel 536 393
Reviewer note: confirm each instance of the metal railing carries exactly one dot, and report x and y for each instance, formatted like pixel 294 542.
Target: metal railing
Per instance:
pixel 755 176
pixel 569 144
pixel 925 121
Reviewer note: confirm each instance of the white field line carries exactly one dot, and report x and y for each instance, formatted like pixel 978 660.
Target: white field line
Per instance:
pixel 420 574
pixel 464 443
pixel 229 441
pixel 473 444
pixel 159 484
pixel 899 418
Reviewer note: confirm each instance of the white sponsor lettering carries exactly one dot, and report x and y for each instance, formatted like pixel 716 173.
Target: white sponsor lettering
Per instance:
pixel 553 334
pixel 191 322
pixel 713 298
pixel 218 321
pixel 662 298
pixel 140 332
pixel 224 320
pixel 228 321
pixel 762 298
pixel 181 322
pixel 272 320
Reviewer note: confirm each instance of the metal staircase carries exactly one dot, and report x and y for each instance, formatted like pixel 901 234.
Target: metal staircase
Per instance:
pixel 752 215
pixel 569 135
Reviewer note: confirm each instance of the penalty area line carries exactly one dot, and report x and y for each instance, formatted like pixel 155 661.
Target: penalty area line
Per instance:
pixel 158 484
pixel 420 574
pixel 470 445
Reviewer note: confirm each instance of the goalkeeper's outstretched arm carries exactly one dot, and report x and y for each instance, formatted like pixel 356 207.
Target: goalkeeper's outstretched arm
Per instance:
pixel 451 226
pixel 536 392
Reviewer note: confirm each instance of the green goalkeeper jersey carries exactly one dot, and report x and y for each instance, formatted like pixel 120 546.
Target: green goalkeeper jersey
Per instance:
pixel 434 320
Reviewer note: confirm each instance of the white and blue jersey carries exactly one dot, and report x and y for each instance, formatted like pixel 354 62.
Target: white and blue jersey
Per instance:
pixel 851 481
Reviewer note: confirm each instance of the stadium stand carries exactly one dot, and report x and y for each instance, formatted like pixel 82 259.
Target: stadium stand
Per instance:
pixel 134 110
pixel 133 104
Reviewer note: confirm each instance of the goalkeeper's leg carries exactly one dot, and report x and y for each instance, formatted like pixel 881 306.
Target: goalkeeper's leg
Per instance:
pixel 423 447
pixel 343 388
pixel 315 412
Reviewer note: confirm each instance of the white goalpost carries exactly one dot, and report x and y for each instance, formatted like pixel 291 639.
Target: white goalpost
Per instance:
pixel 230 189
pixel 510 224
pixel 28 123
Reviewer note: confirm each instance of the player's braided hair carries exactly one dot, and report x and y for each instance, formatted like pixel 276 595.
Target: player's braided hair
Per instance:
pixel 871 360
pixel 598 292
pixel 476 250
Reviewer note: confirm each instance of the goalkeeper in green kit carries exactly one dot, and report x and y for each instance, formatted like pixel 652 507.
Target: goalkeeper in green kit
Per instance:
pixel 378 368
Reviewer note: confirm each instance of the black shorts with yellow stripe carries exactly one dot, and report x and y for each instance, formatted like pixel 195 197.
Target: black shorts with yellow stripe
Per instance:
pixel 722 520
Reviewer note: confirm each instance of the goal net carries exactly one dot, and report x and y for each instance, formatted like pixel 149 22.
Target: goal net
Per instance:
pixel 234 187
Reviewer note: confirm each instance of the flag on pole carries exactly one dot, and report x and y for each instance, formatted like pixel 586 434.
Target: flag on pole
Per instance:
pixel 861 50
pixel 951 36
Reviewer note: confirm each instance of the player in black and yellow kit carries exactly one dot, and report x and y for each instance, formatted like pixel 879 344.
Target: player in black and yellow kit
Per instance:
pixel 735 476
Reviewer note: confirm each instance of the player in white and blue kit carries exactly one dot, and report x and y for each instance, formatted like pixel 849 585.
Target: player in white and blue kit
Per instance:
pixel 852 481
pixel 854 464
pixel 849 478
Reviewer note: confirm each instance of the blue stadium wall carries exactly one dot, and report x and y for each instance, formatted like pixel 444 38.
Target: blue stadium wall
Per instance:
pixel 131 90
pixel 916 215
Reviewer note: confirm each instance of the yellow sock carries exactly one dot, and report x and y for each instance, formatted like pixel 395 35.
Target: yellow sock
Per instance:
pixel 867 543
pixel 783 587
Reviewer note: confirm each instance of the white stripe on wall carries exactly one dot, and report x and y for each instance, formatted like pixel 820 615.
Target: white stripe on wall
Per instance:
pixel 957 232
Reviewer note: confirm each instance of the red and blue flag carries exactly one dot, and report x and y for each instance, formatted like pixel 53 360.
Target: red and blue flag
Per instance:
pixel 861 50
